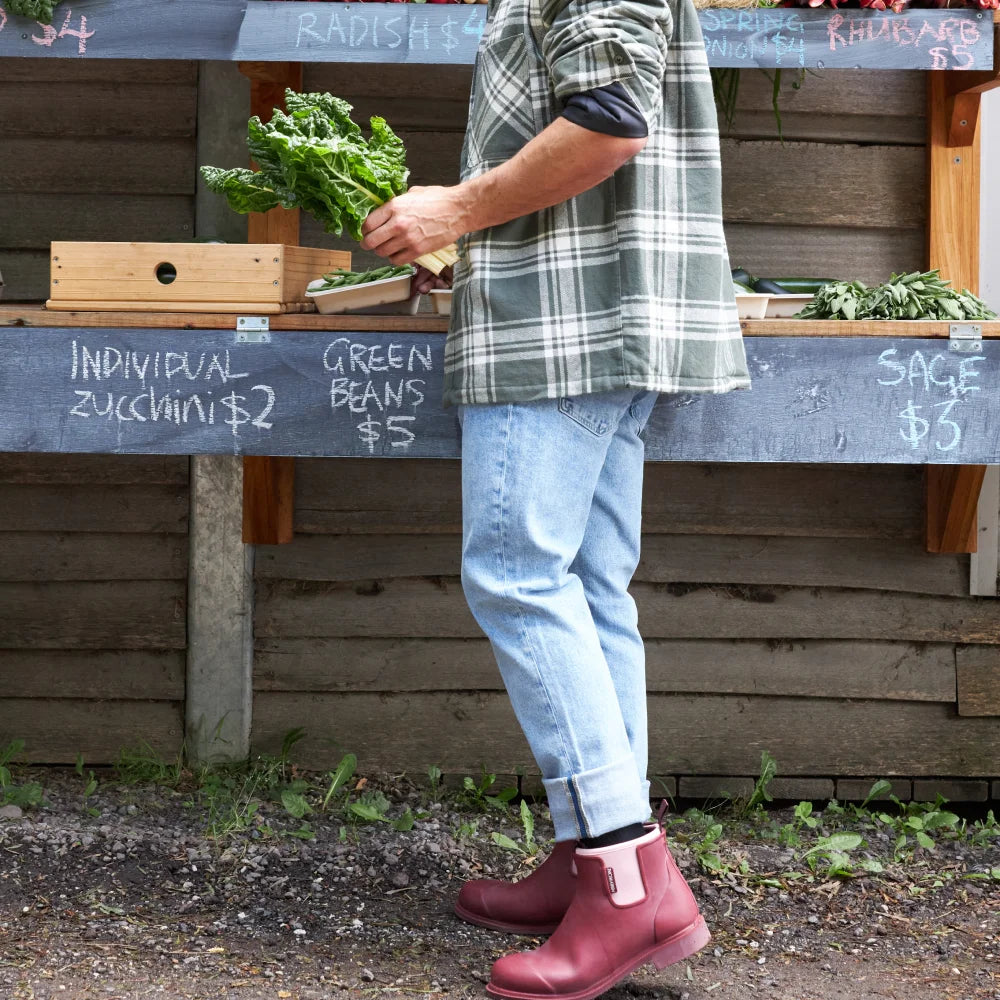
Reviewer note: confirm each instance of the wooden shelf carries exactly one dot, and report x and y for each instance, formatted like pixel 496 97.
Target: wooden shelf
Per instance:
pixel 35 314
pixel 32 314
pixel 864 328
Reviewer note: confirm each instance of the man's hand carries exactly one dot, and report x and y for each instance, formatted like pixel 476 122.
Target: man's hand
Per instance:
pixel 423 281
pixel 559 163
pixel 421 220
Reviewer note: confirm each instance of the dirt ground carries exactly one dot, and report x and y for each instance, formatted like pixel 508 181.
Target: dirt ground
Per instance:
pixel 121 894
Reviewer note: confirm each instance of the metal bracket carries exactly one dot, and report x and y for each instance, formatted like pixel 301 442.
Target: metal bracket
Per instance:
pixel 253 330
pixel 966 338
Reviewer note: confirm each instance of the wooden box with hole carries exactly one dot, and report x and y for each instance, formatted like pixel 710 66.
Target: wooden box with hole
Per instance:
pixel 259 278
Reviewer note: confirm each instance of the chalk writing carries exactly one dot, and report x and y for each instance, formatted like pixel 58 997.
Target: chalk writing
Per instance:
pixel 943 375
pixel 162 390
pixel 948 41
pixel 374 30
pixel 754 37
pixel 953 39
pixel 362 383
pixel 50 34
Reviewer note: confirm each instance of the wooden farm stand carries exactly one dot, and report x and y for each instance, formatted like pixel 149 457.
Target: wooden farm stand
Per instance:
pixel 219 678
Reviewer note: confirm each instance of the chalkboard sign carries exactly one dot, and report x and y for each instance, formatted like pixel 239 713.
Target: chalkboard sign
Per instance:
pixel 261 30
pixel 814 399
pixel 814 39
pixel 848 39
pixel 113 29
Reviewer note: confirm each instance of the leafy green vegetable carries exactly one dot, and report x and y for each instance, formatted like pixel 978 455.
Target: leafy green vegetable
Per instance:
pixel 40 10
pixel 918 295
pixel 314 157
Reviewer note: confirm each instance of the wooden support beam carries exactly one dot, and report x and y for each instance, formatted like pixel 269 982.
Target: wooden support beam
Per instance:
pixel 952 492
pixel 268 499
pixel 269 483
pixel 952 506
pixel 964 89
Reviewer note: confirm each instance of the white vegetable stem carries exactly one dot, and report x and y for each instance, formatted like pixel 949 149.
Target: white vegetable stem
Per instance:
pixel 437 261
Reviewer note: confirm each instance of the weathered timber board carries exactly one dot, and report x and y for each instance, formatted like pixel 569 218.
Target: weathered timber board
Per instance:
pixel 101 108
pixel 307 394
pixel 769 249
pixel 409 496
pixel 160 509
pixel 978 671
pixel 100 165
pixel 437 608
pixel 892 197
pixel 219 29
pixel 460 731
pixel 134 614
pixel 82 71
pixel 47 555
pixel 93 470
pixel 902 565
pixel 817 668
pixel 32 221
pixel 55 730
pixel 837 109
pixel 113 674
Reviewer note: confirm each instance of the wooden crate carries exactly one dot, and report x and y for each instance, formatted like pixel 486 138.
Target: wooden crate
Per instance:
pixel 187 277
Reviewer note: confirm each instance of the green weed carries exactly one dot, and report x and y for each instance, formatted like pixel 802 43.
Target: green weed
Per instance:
pixel 26 794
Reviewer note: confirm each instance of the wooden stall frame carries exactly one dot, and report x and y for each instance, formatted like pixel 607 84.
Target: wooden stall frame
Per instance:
pixel 269 482
pixel 953 144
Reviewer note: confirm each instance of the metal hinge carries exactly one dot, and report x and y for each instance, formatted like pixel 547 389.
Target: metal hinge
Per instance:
pixel 253 330
pixel 967 338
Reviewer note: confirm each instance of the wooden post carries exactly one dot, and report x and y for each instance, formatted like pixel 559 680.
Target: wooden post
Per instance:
pixel 219 691
pixel 952 492
pixel 268 482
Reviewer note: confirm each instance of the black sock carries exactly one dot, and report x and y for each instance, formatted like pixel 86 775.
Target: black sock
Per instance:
pixel 632 832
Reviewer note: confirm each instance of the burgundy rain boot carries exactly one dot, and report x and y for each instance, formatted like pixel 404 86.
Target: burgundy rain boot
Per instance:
pixel 631 906
pixel 535 905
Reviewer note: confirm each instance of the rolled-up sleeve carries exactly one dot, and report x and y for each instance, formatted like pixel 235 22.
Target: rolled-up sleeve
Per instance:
pixel 589 44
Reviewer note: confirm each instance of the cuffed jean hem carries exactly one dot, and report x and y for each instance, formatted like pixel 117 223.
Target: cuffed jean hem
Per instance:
pixel 598 801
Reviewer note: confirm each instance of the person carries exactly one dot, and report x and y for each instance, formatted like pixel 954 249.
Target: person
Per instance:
pixel 593 275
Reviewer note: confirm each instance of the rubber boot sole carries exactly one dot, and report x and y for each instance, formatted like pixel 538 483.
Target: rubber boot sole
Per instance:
pixel 682 945
pixel 529 930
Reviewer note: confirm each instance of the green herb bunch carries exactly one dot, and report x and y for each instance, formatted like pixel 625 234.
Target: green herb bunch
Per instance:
pixel 314 157
pixel 39 10
pixel 918 295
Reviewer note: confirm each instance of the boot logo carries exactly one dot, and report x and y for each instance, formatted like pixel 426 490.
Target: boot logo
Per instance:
pixel 612 885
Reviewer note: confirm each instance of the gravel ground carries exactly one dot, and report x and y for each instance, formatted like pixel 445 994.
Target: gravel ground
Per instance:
pixel 123 894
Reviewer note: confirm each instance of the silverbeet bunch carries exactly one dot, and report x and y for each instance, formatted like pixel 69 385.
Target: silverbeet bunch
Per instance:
pixel 919 295
pixel 315 157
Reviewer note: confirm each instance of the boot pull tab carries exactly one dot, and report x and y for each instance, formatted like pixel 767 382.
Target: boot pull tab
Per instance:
pixel 661 812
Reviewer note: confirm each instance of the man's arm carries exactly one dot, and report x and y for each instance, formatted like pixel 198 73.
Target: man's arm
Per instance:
pixel 561 162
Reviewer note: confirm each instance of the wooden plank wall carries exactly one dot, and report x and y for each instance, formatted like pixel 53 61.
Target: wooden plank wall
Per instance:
pixel 92 603
pixel 791 607
pixel 101 150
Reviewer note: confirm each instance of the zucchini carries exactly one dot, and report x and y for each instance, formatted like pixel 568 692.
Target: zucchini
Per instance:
pixel 803 286
pixel 743 277
pixel 767 287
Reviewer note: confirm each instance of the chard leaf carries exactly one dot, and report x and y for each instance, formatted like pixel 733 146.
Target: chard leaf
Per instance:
pixel 314 157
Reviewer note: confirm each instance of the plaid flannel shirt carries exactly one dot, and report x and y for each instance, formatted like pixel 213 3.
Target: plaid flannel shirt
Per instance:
pixel 627 284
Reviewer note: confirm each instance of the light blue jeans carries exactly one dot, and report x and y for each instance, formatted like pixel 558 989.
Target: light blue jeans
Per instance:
pixel 551 512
